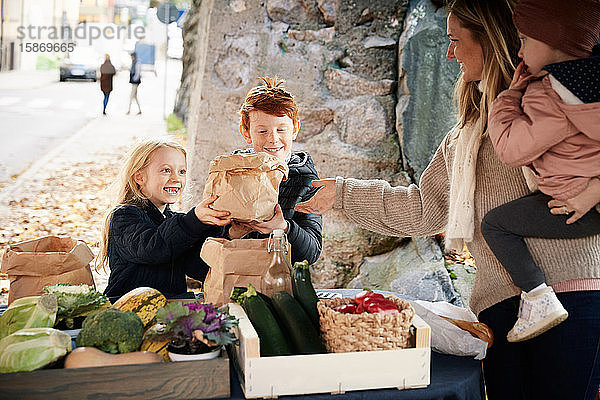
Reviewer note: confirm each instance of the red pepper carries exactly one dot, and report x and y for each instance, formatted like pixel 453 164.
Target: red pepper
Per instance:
pixel 360 296
pixel 382 308
pixel 374 298
pixel 367 294
pixel 360 309
pixel 346 308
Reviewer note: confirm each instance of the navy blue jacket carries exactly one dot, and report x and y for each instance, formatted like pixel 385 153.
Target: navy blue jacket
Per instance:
pixel 135 72
pixel 305 230
pixel 147 248
pixel 580 76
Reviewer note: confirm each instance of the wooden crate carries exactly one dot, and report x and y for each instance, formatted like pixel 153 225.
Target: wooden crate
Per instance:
pixel 328 373
pixel 172 380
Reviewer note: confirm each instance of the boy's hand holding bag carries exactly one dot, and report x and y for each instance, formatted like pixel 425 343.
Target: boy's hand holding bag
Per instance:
pixel 247 185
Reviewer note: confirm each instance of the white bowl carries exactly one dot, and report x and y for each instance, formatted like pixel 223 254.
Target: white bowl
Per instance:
pixel 193 357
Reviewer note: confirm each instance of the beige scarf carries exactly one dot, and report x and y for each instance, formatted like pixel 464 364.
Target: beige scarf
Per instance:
pixel 461 211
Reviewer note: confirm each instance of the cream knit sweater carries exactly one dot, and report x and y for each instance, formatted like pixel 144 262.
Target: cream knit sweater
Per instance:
pixel 423 210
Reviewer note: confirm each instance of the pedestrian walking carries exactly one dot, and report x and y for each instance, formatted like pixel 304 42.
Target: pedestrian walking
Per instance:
pixel 107 71
pixel 135 78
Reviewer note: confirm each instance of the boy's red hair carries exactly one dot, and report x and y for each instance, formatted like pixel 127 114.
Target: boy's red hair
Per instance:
pixel 270 98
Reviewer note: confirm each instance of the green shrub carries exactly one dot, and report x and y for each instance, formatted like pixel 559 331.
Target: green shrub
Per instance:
pixel 175 125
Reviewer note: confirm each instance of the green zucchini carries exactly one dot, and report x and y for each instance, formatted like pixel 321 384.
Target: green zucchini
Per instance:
pixel 304 291
pixel 296 323
pixel 272 339
pixel 236 294
pixel 238 291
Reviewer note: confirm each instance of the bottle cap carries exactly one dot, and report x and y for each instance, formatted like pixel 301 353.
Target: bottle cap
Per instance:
pixel 278 232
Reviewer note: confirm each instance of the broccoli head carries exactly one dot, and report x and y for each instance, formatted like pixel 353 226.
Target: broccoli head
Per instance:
pixel 112 331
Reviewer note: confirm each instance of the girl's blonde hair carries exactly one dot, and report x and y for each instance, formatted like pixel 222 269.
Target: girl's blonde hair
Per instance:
pixel 125 190
pixel 490 23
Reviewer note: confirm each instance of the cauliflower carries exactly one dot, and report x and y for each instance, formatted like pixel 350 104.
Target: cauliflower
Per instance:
pixel 112 331
pixel 76 300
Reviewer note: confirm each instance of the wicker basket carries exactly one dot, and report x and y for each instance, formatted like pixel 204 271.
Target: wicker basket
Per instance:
pixel 365 332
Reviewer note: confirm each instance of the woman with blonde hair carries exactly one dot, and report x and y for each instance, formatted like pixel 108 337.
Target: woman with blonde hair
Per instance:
pixel 463 181
pixel 144 243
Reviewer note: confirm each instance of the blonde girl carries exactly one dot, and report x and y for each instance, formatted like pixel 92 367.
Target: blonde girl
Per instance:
pixel 144 242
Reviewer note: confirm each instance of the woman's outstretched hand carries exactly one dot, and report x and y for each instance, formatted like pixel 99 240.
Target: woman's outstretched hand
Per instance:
pixel 322 201
pixel 578 205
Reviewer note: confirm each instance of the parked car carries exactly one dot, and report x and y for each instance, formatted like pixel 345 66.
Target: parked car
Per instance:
pixel 81 63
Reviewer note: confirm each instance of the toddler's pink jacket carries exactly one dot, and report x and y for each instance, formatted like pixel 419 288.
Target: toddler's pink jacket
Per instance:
pixel 560 142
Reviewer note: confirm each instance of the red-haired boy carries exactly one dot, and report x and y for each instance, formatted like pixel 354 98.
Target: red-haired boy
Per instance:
pixel 269 122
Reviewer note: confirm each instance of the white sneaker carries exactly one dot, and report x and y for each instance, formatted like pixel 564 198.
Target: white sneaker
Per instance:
pixel 538 312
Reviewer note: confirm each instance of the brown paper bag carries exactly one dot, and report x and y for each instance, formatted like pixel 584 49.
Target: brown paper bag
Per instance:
pixel 48 260
pixel 247 185
pixel 232 263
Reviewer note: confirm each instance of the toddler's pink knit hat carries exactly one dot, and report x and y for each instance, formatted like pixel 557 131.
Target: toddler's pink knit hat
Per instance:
pixel 571 26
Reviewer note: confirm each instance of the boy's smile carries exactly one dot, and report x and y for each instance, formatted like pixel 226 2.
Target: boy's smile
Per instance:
pixel 163 179
pixel 270 134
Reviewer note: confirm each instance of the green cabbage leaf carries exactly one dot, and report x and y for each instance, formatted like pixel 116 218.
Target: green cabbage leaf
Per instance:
pixel 29 312
pixel 32 348
pixel 76 300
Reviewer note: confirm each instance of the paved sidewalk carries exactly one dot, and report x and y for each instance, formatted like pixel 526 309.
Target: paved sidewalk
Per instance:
pixel 11 80
pixel 64 192
pixel 102 141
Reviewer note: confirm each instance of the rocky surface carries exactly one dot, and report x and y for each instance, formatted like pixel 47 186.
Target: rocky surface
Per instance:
pixel 424 110
pixel 415 268
pixel 343 84
pixel 190 59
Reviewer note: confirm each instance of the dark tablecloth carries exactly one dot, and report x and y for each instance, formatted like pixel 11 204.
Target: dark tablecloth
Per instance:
pixel 452 378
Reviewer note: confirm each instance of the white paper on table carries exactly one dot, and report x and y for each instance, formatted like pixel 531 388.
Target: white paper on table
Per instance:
pixel 446 337
pixel 448 310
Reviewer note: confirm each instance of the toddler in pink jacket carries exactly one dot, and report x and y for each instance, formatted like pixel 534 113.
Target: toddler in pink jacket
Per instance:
pixel 549 121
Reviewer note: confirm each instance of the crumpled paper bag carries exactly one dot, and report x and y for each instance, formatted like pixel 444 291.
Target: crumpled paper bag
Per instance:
pixel 236 262
pixel 48 260
pixel 447 337
pixel 247 185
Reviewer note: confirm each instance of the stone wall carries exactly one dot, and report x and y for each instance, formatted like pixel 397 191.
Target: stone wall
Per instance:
pixel 424 109
pixel 190 59
pixel 341 61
